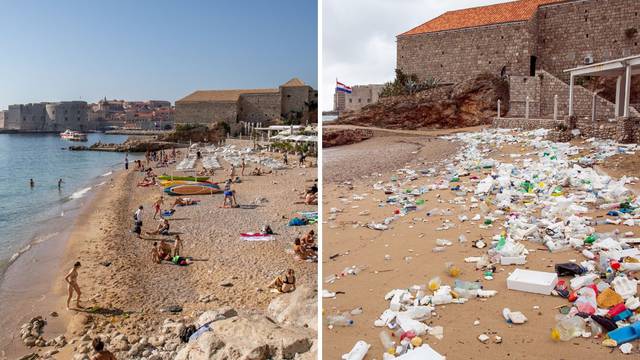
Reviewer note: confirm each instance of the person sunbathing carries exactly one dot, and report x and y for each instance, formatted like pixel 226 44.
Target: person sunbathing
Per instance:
pixel 285 282
pixel 302 252
pixel 180 201
pixel 256 172
pixel 147 181
pixel 163 228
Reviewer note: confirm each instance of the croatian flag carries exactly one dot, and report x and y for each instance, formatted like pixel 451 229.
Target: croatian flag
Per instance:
pixel 342 87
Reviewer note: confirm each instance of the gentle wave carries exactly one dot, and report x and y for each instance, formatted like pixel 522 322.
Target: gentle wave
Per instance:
pixel 38 240
pixel 107 174
pixel 80 193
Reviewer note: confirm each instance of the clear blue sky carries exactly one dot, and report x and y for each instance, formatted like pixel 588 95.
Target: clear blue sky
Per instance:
pixel 136 50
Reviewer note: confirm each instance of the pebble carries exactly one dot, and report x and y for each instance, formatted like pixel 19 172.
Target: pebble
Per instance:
pixel 483 338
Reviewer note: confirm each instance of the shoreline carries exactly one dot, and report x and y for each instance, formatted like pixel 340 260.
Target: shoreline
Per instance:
pixel 45 287
pixel 122 286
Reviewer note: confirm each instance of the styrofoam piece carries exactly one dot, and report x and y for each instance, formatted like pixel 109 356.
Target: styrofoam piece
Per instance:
pixel 424 352
pixel 537 282
pixel 358 352
pixel 513 260
pixel 584 280
pixel 624 286
pixel 408 324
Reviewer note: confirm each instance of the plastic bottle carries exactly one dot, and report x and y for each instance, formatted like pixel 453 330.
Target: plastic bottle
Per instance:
pixel 339 320
pixel 388 344
pixel 467 285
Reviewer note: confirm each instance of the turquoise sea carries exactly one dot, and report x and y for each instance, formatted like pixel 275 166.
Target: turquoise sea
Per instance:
pixel 29 215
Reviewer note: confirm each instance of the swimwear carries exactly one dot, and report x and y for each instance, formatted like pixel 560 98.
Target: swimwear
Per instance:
pixel 228 193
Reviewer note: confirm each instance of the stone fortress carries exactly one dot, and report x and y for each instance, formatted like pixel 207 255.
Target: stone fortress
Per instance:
pixel 292 100
pixel 533 43
pixel 45 116
pixel 361 95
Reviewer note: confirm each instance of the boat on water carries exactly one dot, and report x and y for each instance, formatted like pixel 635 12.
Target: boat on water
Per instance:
pixel 73 135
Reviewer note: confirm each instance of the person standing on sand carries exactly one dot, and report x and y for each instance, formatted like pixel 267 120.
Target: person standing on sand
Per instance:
pixel 286 159
pixel 72 281
pixel 243 165
pixel 101 353
pixel 137 217
pixel 302 158
pixel 177 246
pixel 126 161
pixel 157 205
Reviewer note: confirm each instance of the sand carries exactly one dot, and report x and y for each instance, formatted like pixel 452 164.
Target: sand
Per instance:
pixel 409 244
pixel 132 284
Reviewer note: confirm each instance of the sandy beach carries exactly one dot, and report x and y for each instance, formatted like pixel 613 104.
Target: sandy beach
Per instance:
pixel 124 292
pixel 402 256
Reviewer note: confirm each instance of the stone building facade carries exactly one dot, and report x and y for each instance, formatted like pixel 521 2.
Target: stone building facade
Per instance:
pixel 292 99
pixel 361 95
pixel 520 37
pixel 3 114
pixel 50 117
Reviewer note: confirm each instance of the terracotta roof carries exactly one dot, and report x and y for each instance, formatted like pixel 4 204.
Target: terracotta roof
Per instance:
pixel 221 95
pixel 520 10
pixel 293 82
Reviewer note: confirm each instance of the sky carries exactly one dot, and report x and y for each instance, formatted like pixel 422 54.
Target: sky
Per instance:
pixel 151 49
pixel 359 37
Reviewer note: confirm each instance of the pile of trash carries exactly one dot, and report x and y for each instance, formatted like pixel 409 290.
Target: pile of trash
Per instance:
pixel 548 196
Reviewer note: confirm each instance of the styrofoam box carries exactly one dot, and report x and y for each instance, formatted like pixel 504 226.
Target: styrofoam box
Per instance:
pixel 537 282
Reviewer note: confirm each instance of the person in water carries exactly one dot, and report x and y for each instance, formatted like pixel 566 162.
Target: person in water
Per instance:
pixel 32 183
pixel 60 184
pixel 72 281
pixel 285 282
pixel 101 353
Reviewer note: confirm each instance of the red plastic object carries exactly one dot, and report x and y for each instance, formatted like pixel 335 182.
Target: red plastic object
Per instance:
pixel 408 335
pixel 616 310
pixel 572 296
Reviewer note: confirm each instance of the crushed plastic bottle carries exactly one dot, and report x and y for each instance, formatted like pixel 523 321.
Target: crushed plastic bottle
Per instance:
pixel 339 320
pixel 568 328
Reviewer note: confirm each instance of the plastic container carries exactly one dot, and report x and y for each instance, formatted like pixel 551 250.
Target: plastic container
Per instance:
pixel 339 320
pixel 434 283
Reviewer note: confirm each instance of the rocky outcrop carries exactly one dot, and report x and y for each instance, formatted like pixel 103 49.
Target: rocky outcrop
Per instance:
pixel 248 337
pixel 469 103
pixel 344 137
pixel 298 308
pixel 133 146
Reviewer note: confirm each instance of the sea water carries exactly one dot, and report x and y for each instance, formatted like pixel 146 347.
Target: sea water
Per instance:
pixel 30 215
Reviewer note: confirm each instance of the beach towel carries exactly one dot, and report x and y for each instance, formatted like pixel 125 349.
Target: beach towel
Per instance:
pixel 256 237
pixel 310 216
pixel 298 222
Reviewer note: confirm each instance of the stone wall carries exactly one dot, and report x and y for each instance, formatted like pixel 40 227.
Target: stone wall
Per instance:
pixel 453 56
pixel 560 36
pixel 571 31
pixel 257 108
pixel 67 115
pixel 521 87
pixel 527 124
pixel 621 129
pixel 541 90
pixel 206 112
pixel 2 116
pixel 362 95
pixel 296 99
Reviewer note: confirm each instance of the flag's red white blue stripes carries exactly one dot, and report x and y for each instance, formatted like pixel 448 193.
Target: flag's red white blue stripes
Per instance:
pixel 342 87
